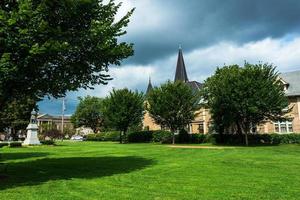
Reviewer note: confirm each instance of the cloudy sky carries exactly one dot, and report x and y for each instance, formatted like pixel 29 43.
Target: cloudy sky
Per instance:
pixel 211 32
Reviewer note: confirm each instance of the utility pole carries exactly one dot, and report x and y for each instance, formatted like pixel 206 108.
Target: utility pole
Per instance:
pixel 63 115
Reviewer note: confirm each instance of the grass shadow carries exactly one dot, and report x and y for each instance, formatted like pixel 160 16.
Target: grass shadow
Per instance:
pixel 20 155
pixel 42 170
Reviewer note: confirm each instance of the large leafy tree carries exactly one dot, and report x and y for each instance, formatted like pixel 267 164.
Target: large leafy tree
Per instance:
pixel 88 113
pixel 173 105
pixel 240 98
pixel 48 47
pixel 123 109
pixel 16 115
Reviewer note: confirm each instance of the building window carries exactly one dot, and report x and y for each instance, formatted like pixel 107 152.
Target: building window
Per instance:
pixel 276 127
pixel 201 128
pixel 283 127
pixel 290 127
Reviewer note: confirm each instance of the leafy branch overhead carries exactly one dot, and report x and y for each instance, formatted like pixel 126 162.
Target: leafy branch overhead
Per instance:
pixel 48 47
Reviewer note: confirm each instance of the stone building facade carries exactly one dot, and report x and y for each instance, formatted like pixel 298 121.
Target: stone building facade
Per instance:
pixel 291 81
pixel 202 122
pixel 54 121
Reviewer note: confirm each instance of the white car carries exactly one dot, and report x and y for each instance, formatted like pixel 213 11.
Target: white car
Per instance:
pixel 77 138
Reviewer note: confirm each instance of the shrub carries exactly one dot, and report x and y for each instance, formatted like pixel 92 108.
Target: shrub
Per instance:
pixel 183 137
pixel 69 132
pixel 287 138
pixel 2 144
pixel 104 136
pixel 258 139
pixel 52 134
pixel 140 136
pixel 111 136
pixel 199 138
pixel 161 136
pixel 230 139
pixel 94 137
pixel 164 137
pixel 48 142
pixel 15 144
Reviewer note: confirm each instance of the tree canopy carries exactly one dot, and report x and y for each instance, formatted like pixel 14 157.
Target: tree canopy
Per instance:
pixel 123 109
pixel 16 115
pixel 173 105
pixel 240 98
pixel 88 113
pixel 49 47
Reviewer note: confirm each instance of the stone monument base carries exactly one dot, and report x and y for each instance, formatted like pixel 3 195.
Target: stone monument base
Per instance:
pixel 32 138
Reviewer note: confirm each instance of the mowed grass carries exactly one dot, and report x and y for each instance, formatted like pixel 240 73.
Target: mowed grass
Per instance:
pixel 95 170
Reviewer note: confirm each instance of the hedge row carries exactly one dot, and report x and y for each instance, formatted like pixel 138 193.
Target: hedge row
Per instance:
pixel 229 139
pixel 3 144
pixel 10 144
pixel 105 136
pixel 48 142
pixel 165 137
pixel 140 136
pixel 133 137
pixel 257 139
pixel 15 144
pixel 19 144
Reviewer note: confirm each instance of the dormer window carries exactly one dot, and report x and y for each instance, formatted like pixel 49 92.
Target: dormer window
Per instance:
pixel 286 109
pixel 285 87
pixel 285 84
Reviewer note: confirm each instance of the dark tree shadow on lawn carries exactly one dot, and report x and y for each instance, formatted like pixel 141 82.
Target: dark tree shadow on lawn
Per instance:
pixel 20 155
pixel 42 170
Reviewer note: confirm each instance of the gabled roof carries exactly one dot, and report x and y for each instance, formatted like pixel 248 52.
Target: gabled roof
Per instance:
pixel 44 116
pixel 196 86
pixel 180 74
pixel 293 81
pixel 47 116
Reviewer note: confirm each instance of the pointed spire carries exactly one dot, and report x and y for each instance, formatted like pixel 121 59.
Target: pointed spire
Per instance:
pixel 150 87
pixel 180 74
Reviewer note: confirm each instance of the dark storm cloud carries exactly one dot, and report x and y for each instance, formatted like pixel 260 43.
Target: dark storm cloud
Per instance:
pixel 211 32
pixel 199 23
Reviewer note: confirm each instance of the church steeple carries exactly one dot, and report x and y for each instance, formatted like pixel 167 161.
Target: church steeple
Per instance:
pixel 150 87
pixel 180 74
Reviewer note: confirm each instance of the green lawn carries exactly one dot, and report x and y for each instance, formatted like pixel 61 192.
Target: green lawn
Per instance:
pixel 94 170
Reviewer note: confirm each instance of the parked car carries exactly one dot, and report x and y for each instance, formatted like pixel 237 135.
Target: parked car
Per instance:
pixel 77 138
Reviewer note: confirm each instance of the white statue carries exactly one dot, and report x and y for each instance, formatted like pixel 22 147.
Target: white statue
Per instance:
pixel 32 131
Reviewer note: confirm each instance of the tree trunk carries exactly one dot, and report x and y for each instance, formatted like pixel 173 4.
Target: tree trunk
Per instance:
pixel 246 130
pixel 120 137
pixel 221 133
pixel 14 134
pixel 246 138
pixel 124 137
pixel 173 135
pixel 173 138
pixel 239 128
